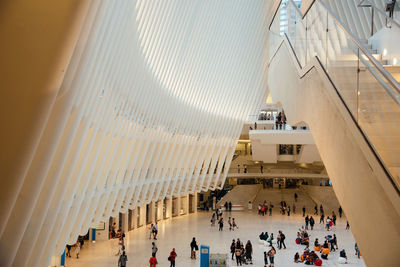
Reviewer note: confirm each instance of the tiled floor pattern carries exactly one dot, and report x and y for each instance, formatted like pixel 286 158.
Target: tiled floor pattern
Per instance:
pixel 178 232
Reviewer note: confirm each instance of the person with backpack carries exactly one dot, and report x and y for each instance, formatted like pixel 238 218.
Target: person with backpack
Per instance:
pixel 172 257
pixel 193 248
pixel 122 260
pixel 281 240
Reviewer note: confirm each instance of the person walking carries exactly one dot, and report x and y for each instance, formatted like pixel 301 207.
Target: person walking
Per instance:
pixel 265 259
pixel 249 252
pixel 312 222
pixel 221 224
pixel 347 225
pixel 234 224
pixel 193 248
pixel 122 260
pixel 230 223
pixel 77 249
pixel 213 219
pixel 271 255
pixel 233 247
pixel 316 209
pixel 321 220
pixel 288 211
pixel 334 218
pixel 153 261
pixel 295 197
pixel 68 254
pixel 304 210
pixel 282 240
pixel 172 257
pixel 294 208
pixel 270 210
pixel 238 256
pixel 154 249
pixel 155 232
pixel 270 239
pixel 230 206
pixel 307 220
pixel 357 250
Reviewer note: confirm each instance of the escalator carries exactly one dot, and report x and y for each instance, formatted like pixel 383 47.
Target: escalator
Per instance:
pixel 324 75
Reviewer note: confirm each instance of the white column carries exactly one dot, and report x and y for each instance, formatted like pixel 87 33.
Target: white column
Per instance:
pixel 125 222
pixel 134 218
pixel 159 210
pixel 194 202
pixel 169 208
pixel 142 215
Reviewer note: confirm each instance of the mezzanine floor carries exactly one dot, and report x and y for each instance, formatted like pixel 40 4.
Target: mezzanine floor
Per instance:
pixel 178 232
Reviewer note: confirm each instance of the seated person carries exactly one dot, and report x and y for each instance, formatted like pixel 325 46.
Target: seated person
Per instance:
pixel 343 254
pixel 262 236
pixel 326 244
pixel 296 257
pixel 342 257
pixel 316 243
pixel 313 257
pixel 298 235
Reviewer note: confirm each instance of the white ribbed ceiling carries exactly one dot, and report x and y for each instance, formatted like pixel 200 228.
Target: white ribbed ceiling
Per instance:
pixel 199 50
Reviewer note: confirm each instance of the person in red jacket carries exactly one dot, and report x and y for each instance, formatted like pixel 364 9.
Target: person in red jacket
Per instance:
pixel 153 261
pixel 172 257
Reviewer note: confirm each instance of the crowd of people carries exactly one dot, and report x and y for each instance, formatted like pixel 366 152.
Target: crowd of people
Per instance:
pixel 242 253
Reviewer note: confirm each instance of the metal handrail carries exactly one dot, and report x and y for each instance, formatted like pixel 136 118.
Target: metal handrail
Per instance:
pixel 383 13
pixel 364 50
pixel 273 18
pixel 378 158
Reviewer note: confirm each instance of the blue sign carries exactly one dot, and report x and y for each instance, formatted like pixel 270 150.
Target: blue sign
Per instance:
pixel 204 256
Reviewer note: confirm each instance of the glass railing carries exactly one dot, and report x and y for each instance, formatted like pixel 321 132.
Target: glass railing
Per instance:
pixel 367 17
pixel 369 92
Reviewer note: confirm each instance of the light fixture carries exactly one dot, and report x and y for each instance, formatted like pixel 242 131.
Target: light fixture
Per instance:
pixel 395 61
pixel 384 52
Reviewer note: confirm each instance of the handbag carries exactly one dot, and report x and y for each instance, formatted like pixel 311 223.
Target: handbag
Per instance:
pixel 169 258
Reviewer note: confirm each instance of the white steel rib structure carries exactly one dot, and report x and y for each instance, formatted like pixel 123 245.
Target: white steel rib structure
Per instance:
pixel 133 102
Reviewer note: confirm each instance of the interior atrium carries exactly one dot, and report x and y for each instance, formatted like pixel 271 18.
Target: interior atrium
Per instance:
pixel 200 133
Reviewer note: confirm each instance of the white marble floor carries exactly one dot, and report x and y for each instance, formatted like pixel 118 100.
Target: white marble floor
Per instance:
pixel 178 232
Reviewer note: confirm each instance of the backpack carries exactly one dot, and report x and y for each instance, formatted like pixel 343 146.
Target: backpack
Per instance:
pixel 283 236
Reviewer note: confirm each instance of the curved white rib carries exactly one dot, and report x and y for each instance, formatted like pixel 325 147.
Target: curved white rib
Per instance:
pixel 151 106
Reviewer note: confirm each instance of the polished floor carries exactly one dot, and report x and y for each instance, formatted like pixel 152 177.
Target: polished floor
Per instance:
pixel 178 232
